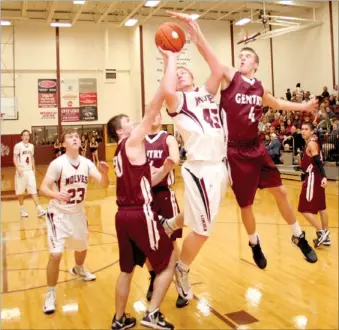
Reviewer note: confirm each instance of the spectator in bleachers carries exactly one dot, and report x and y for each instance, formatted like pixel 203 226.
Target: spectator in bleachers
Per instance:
pixel 274 149
pixel 276 121
pixel 296 121
pixel 330 113
pixel 267 140
pixel 325 92
pixel 272 129
pixel 288 95
pixel 335 91
pixel 263 124
pixel 289 126
pixel 282 133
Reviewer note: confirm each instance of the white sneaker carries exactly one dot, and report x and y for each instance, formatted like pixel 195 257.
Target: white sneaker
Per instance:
pixel 50 303
pixel 82 272
pixel 182 284
pixel 23 213
pixel 41 212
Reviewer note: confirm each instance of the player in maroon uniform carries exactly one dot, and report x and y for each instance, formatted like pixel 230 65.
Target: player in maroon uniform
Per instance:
pixel 312 196
pixel 139 233
pixel 249 164
pixel 159 146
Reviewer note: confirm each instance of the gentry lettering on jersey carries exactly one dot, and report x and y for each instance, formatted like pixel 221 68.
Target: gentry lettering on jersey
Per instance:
pixel 248 99
pixel 27 152
pixel 154 154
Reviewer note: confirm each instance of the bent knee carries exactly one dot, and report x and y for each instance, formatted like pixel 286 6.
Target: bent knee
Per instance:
pixel 279 191
pixel 55 257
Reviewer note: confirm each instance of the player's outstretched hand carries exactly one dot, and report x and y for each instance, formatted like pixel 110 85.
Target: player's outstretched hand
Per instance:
pixel 169 164
pixel 62 196
pixel 167 53
pixel 323 182
pixel 311 105
pixel 191 25
pixel 103 168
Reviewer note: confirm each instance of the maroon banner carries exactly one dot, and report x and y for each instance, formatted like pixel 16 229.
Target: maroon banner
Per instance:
pixel 47 96
pixel 70 114
pixel 88 99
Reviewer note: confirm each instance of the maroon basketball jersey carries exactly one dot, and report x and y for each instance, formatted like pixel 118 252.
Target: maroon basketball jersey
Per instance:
pixel 157 151
pixel 307 163
pixel 133 181
pixel 241 108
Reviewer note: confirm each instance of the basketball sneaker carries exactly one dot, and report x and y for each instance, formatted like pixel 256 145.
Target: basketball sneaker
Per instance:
pixel 50 302
pixel 181 302
pixel 258 256
pixel 82 272
pixel 41 212
pixel 23 213
pixel 326 241
pixel 322 235
pixel 150 288
pixel 156 320
pixel 125 322
pixel 305 248
pixel 182 283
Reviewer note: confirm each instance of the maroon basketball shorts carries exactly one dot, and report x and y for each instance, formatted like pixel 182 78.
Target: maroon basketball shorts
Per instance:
pixel 312 197
pixel 250 167
pixel 166 205
pixel 141 236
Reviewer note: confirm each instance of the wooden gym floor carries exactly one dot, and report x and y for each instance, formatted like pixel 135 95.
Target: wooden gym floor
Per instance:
pixel 230 291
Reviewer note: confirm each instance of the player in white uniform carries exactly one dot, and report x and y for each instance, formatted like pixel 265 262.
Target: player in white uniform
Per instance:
pixel 66 184
pixel 23 159
pixel 196 117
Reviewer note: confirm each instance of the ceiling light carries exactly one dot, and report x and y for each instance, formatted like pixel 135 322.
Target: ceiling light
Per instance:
pixel 5 23
pixel 61 24
pixel 151 3
pixel 243 21
pixel 286 2
pixel 78 2
pixel 195 16
pixel 131 22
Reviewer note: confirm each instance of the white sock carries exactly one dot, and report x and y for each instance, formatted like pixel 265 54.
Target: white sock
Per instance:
pixel 79 267
pixel 39 207
pixel 22 208
pixel 183 267
pixel 296 229
pixel 254 239
pixel 172 223
pixel 51 288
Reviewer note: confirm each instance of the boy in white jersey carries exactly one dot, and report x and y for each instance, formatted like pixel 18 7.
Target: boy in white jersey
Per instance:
pixel 196 117
pixel 66 184
pixel 23 159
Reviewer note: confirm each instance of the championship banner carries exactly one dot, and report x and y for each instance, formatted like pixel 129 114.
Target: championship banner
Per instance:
pixel 47 93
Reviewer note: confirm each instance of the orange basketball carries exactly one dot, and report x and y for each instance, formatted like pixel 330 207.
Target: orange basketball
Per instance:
pixel 170 36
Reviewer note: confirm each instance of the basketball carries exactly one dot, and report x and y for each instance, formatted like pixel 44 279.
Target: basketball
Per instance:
pixel 170 36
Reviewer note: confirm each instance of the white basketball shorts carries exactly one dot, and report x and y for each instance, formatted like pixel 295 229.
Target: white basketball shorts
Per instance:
pixel 205 187
pixel 66 228
pixel 26 181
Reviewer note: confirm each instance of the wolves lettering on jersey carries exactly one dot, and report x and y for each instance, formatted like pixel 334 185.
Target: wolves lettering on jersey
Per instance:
pixel 72 179
pixel 25 154
pixel 133 181
pixel 157 152
pixel 197 119
pixel 241 108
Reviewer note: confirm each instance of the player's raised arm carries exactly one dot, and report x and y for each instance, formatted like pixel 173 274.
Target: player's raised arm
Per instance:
pixel 169 81
pixel 218 71
pixel 276 104
pixel 100 176
pixel 173 149
pixel 139 132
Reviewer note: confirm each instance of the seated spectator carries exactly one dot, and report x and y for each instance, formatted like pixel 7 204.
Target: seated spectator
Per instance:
pixel 274 149
pixel 272 130
pixel 332 100
pixel 335 91
pixel 296 121
pixel 282 133
pixel 330 113
pixel 289 126
pixel 263 124
pixel 325 92
pixel 276 121
pixel 267 140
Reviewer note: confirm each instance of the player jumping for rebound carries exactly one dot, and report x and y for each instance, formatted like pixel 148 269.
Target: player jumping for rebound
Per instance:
pixel 196 117
pixel 66 184
pixel 312 197
pixel 248 162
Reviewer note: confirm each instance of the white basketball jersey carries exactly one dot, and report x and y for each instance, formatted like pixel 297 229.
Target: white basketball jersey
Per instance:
pixel 198 121
pixel 25 153
pixel 70 177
